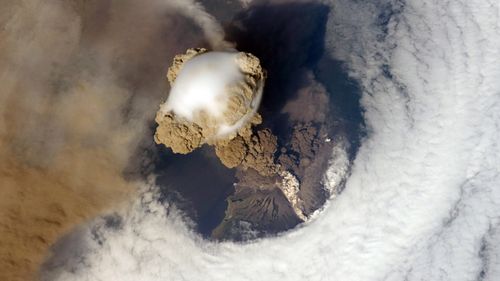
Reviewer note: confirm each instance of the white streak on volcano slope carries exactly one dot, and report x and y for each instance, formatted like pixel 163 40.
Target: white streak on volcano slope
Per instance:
pixel 423 200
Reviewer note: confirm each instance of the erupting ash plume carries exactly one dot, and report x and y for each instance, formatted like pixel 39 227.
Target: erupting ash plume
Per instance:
pixel 214 97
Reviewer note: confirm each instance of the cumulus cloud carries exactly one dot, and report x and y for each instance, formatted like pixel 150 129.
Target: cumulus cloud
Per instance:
pixel 422 200
pixel 76 92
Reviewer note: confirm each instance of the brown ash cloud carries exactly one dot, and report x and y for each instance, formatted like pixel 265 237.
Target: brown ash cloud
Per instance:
pixel 78 78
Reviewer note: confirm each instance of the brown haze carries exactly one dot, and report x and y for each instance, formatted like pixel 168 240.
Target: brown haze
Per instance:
pixel 80 80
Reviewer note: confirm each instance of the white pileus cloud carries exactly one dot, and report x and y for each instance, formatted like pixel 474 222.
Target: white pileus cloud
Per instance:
pixel 201 84
pixel 206 84
pixel 423 199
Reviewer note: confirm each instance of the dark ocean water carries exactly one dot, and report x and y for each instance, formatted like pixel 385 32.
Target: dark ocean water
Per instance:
pixel 197 183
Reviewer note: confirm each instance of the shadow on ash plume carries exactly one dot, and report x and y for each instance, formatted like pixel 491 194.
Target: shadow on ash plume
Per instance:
pixel 289 39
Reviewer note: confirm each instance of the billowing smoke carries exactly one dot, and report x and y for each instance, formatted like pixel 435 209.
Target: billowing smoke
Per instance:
pixel 214 95
pixel 422 201
pixel 80 83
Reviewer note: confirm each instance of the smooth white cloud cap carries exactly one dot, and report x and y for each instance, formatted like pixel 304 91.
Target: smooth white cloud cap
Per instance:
pixel 202 85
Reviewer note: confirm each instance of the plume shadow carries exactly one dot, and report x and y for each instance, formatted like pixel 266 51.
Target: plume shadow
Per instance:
pixel 289 39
